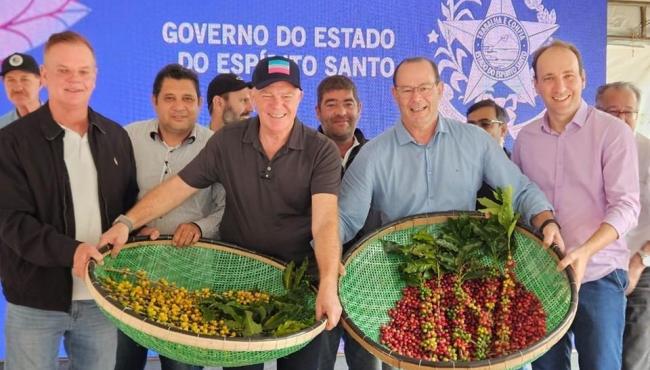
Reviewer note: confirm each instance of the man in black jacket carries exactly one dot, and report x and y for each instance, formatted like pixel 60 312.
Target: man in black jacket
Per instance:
pixel 338 111
pixel 66 173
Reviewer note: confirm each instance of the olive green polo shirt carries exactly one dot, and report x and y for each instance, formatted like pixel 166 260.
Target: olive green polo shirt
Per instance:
pixel 268 202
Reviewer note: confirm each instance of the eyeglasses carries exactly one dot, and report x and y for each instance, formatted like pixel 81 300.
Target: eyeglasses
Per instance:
pixel 424 89
pixel 485 123
pixel 620 113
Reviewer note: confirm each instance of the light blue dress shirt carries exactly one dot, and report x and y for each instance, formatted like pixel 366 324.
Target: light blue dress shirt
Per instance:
pixel 397 177
pixel 8 118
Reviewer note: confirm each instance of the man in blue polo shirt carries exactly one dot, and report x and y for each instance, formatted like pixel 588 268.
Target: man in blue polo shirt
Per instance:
pixel 430 163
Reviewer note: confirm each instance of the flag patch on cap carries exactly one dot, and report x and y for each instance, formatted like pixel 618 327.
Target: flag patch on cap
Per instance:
pixel 279 66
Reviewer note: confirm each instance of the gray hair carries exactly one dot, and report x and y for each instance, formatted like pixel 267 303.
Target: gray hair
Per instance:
pixel 619 85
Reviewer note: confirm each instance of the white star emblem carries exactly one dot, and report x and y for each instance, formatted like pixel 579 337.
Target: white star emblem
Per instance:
pixel 433 37
pixel 500 45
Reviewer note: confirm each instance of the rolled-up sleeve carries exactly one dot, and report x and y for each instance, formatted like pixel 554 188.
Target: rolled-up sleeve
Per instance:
pixel 211 223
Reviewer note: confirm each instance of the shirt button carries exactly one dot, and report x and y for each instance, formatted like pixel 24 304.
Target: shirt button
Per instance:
pixel 268 168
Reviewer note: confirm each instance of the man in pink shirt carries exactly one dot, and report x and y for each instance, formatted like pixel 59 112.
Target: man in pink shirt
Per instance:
pixel 585 161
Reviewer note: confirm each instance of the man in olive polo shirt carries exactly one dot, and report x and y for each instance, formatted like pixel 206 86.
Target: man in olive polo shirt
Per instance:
pixel 281 180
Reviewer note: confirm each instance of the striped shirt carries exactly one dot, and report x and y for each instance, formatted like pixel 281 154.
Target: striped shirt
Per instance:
pixel 156 162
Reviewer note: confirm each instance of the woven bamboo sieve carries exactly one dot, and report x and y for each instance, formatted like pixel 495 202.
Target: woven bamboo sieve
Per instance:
pixel 206 264
pixel 372 284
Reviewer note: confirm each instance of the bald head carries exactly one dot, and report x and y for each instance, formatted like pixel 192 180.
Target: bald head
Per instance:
pixel 620 99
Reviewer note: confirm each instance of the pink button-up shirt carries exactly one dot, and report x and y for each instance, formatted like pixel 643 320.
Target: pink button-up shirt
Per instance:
pixel 590 174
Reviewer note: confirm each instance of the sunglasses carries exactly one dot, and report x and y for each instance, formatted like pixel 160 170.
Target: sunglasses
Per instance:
pixel 485 123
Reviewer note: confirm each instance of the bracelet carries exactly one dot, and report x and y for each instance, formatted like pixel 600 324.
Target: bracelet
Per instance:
pixel 548 222
pixel 122 219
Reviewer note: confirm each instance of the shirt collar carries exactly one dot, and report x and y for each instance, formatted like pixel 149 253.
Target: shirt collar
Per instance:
pixel 346 157
pixel 358 136
pixel 17 114
pixel 93 122
pixel 580 118
pixel 154 132
pixel 296 137
pixel 355 143
pixel 52 129
pixel 581 115
pixel 404 137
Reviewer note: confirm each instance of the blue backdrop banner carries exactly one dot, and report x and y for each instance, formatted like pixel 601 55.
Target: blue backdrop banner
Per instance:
pixel 482 47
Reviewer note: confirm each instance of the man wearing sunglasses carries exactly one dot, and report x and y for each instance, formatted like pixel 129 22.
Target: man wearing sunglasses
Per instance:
pixel 491 117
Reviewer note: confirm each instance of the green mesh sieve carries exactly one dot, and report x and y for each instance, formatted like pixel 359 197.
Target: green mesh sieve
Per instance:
pixel 217 266
pixel 372 284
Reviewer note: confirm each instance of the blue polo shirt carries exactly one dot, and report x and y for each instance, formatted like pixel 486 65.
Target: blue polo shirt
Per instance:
pixel 8 117
pixel 397 177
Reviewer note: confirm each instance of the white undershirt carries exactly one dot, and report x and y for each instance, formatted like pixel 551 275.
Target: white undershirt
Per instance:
pixel 85 197
pixel 355 143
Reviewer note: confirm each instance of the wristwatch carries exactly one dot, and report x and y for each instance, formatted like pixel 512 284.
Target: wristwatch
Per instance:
pixel 122 219
pixel 645 258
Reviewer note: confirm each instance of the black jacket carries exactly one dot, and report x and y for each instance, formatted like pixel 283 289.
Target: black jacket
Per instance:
pixel 486 191
pixel 373 220
pixel 362 140
pixel 358 134
pixel 37 225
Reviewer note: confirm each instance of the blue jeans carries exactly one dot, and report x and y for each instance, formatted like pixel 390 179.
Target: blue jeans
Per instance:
pixel 33 337
pixel 356 356
pixel 132 356
pixel 304 359
pixel 636 340
pixel 598 327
